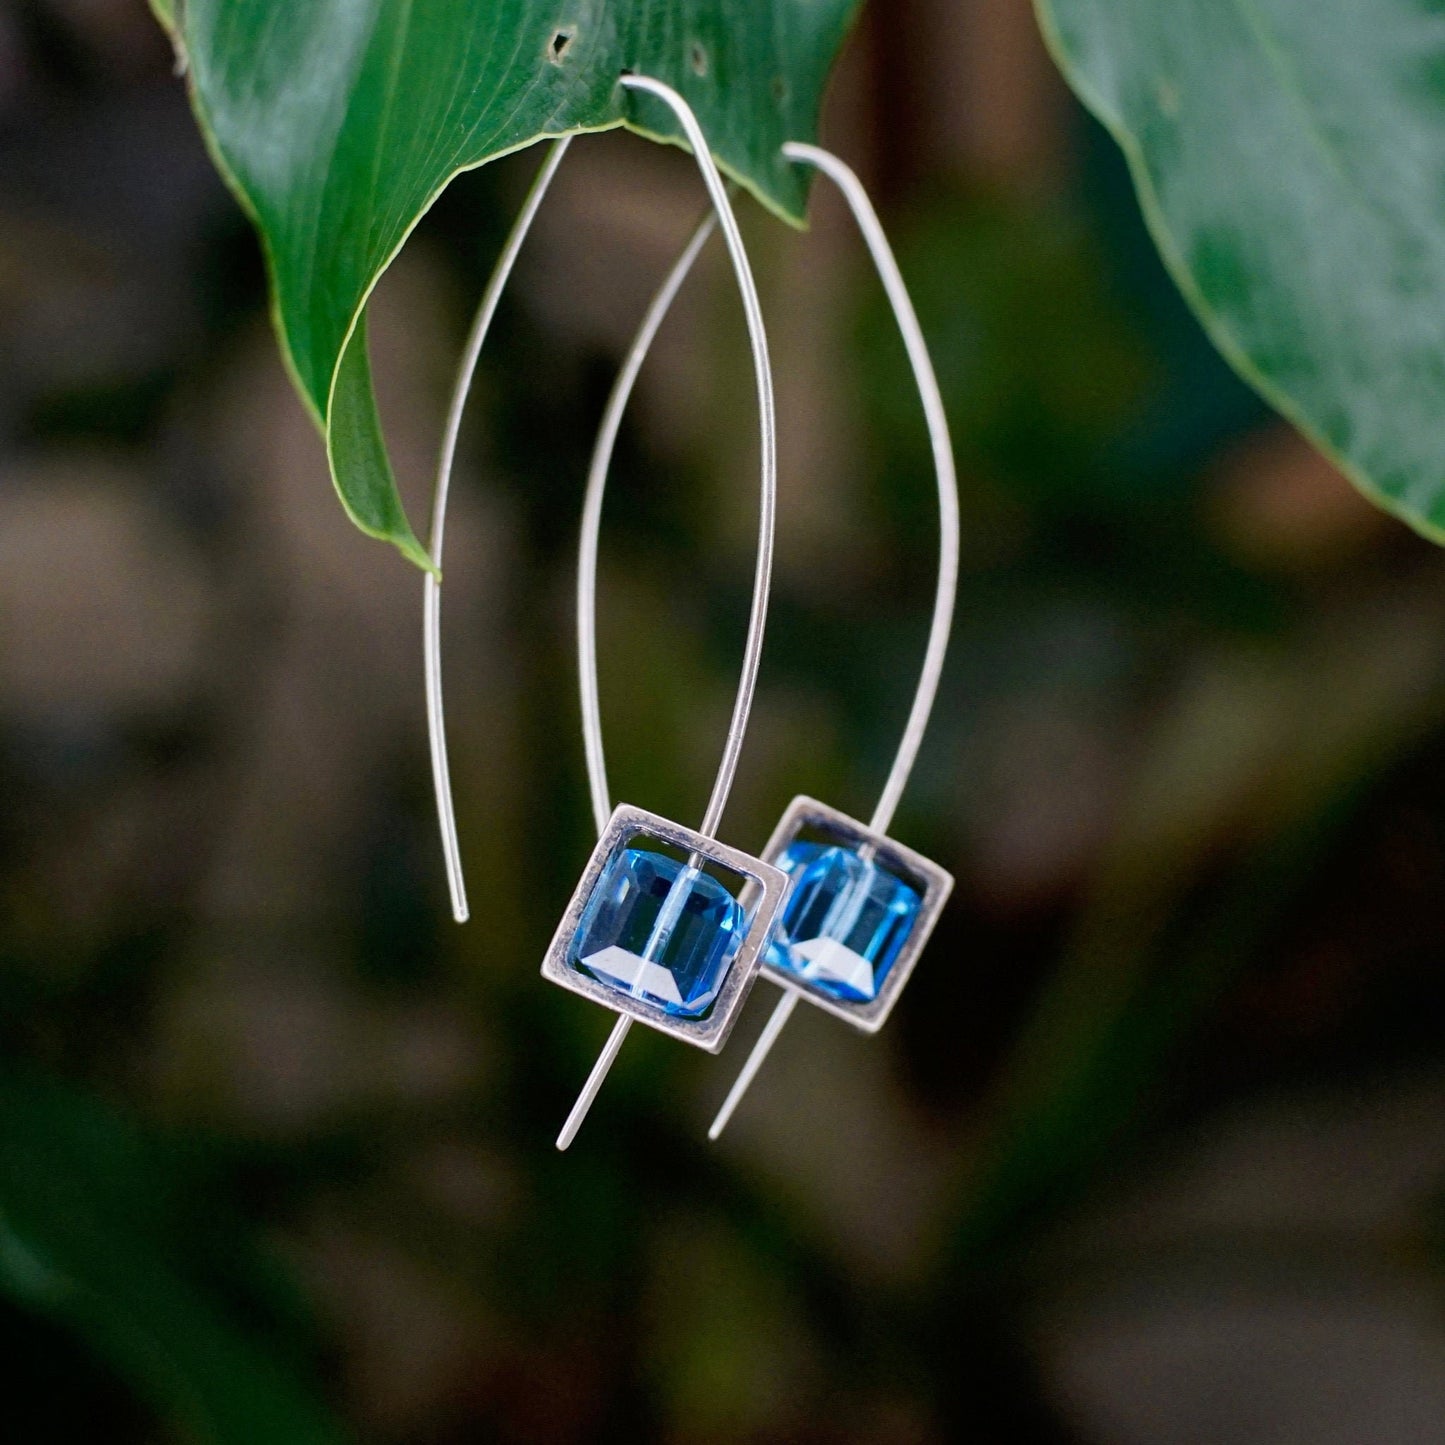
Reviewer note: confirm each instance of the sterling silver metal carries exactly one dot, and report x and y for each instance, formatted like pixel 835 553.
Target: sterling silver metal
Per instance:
pixel 602 450
pixel 432 593
pixel 702 844
pixel 933 883
pixel 767 442
pixel 870 1016
pixel 777 1022
pixel 936 883
pixel 946 592
pixel 767 888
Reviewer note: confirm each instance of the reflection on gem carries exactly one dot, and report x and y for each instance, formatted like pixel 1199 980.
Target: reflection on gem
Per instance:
pixel 828 961
pixel 844 921
pixel 659 930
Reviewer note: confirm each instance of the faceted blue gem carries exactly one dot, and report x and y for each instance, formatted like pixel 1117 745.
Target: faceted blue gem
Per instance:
pixel 843 922
pixel 659 930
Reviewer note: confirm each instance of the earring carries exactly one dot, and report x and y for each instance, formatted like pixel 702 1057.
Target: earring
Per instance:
pixel 646 934
pixel 860 906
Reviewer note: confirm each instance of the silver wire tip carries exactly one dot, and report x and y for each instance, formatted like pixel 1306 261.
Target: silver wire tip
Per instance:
pixel 590 1089
pixel 432 592
pixel 769 1036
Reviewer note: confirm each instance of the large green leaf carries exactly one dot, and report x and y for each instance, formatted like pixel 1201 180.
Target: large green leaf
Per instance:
pixel 339 121
pixel 1290 158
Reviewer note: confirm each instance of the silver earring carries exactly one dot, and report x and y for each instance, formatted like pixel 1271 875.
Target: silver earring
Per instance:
pixel 860 906
pixel 647 935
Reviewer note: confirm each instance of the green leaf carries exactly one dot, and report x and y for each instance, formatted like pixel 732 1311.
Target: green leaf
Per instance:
pixel 338 122
pixel 1286 156
pixel 98 1225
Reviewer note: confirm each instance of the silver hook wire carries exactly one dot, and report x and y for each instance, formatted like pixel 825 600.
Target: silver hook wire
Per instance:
pixel 432 592
pixel 948 549
pixel 948 520
pixel 949 539
pixel 587 555
pixel 602 450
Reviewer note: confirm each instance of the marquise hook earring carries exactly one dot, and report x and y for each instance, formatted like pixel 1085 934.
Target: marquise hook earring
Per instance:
pixel 686 930
pixel 656 935
pixel 860 907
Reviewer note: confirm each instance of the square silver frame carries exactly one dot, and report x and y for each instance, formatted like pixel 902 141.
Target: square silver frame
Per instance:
pixel 762 894
pixel 913 868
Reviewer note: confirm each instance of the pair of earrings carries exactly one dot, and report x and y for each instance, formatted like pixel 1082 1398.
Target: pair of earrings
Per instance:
pixel 669 926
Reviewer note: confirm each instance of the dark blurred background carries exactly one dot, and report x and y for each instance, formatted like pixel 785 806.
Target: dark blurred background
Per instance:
pixel 1153 1150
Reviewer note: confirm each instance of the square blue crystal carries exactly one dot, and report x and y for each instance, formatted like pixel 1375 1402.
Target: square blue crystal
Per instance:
pixel 844 921
pixel 660 930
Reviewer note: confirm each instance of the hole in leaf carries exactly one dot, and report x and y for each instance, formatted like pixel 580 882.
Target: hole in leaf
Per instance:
pixel 560 44
pixel 697 56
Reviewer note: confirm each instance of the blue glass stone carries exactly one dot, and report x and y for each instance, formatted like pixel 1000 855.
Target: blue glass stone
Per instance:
pixel 659 930
pixel 844 920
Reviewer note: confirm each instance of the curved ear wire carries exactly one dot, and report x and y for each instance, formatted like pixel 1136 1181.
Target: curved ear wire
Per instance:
pixel 948 524
pixel 767 508
pixel 602 450
pixel 767 440
pixel 948 548
pixel 432 594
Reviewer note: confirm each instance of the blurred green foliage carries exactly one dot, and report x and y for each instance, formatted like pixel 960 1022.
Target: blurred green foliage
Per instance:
pixel 281 1168
pixel 125 1239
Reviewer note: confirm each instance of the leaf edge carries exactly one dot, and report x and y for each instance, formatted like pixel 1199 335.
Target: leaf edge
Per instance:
pixel 1214 326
